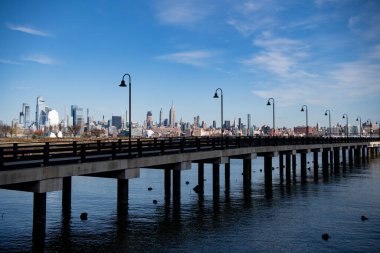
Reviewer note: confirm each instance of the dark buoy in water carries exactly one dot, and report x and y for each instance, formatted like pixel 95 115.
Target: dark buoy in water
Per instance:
pixel 83 216
pixel 155 201
pixel 197 188
pixel 261 170
pixel 364 218
pixel 308 162
pixel 325 236
pixel 308 169
pixel 187 182
pixel 150 188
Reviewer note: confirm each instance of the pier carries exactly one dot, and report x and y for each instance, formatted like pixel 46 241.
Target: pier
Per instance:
pixel 44 167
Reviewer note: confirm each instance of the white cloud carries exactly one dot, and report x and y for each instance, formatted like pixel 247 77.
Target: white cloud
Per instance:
pixel 10 62
pixel 181 12
pixel 39 58
pixel 28 29
pixel 198 58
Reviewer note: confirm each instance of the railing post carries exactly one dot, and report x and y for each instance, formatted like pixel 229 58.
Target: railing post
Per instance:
pixel 83 152
pixel 98 145
pixel 139 148
pixel 120 145
pixel 181 144
pixel 46 154
pixel 213 143
pixel 75 148
pixel 1 158
pixel 113 150
pixel 155 142
pixel 15 151
pixel 238 141
pixel 198 143
pixel 162 147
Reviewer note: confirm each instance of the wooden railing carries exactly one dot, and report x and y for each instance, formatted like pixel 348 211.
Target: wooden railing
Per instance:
pixel 17 156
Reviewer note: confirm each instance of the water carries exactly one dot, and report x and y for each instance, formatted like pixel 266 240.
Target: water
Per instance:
pixel 292 219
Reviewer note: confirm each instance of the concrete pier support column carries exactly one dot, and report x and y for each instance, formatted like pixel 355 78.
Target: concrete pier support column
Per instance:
pixel 364 155
pixel 66 194
pixel 167 182
pixel 227 172
pixel 344 157
pixel 357 155
pixel 215 181
pixel 336 160
pixel 316 165
pixel 39 219
pixel 294 166
pixel 176 187
pixel 350 156
pixel 268 171
pixel 247 168
pixel 331 161
pixel 325 162
pixel 303 166
pixel 201 177
pixel 281 167
pixel 287 173
pixel 122 195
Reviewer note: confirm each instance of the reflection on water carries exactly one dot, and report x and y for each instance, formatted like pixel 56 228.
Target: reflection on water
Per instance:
pixel 289 217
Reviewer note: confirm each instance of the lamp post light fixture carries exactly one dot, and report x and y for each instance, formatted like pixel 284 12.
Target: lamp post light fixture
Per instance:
pixel 221 109
pixel 307 119
pixel 360 126
pixel 329 113
pixel 274 125
pixel 345 116
pixel 123 85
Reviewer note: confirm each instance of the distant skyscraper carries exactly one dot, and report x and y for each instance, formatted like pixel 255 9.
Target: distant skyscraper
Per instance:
pixel 40 112
pixel 117 122
pixel 172 116
pixel 239 123
pixel 198 121
pixel 214 123
pixel 25 116
pixel 149 119
pixel 227 125
pixel 161 118
pixel 77 114
pixel 249 123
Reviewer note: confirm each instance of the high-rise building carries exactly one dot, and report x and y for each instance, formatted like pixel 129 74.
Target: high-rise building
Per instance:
pixel 117 122
pixel 172 116
pixel 25 116
pixel 248 123
pixel 77 114
pixel 149 119
pixel 41 115
pixel 214 123
pixel 239 124
pixel 161 118
pixel 227 125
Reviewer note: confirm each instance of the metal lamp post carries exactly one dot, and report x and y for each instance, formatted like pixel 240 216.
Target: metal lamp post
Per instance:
pixel 329 113
pixel 360 126
pixel 122 84
pixel 274 125
pixel 345 116
pixel 307 119
pixel 221 109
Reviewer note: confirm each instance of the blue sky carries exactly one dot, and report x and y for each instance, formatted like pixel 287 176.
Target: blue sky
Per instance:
pixel 322 53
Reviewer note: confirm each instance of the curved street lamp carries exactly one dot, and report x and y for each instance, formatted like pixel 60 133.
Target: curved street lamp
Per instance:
pixel 307 119
pixel 360 126
pixel 221 109
pixel 274 125
pixel 123 85
pixel 329 113
pixel 345 116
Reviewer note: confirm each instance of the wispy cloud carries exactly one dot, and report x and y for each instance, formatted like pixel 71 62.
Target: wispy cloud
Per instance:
pixel 198 58
pixel 181 12
pixel 39 58
pixel 10 62
pixel 282 57
pixel 28 29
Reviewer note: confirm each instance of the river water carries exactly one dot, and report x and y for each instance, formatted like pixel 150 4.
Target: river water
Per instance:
pixel 291 219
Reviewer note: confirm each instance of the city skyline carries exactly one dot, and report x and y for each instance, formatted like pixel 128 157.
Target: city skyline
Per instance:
pixel 322 53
